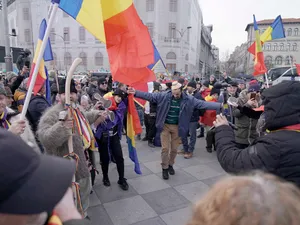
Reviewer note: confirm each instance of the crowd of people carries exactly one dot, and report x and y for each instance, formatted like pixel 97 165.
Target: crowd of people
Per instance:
pixel 257 132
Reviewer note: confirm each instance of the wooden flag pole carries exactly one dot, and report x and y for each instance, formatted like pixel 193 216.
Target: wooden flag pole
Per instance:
pixel 267 80
pixel 39 60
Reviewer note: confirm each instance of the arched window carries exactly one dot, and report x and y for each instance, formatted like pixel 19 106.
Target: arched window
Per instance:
pixel 295 47
pixel 171 55
pixel 268 60
pixel 289 32
pixel 288 60
pixel 263 31
pixel 53 62
pixel 296 31
pixel 278 60
pixel 275 47
pixel 82 55
pixel 281 47
pixel 98 59
pixel 268 47
pixel 288 47
pixel 68 59
pixel 187 57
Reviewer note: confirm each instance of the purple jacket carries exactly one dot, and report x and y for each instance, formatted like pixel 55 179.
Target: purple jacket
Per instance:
pixel 119 116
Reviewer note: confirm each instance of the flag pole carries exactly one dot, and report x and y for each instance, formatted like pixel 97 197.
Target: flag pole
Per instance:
pixel 39 60
pixel 267 80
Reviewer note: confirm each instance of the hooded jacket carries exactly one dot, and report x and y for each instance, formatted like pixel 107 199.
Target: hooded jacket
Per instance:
pixel 277 152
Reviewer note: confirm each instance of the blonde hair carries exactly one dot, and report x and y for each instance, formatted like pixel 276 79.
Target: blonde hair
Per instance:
pixel 261 199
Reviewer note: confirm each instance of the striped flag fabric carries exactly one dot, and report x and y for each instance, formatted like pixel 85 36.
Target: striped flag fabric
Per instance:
pixel 133 128
pixel 259 64
pixel 116 23
pixel 48 56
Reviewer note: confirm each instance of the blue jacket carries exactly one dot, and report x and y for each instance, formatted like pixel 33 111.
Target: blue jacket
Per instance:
pixel 187 106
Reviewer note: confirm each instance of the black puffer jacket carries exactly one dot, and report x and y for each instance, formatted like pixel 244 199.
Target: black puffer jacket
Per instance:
pixel 277 152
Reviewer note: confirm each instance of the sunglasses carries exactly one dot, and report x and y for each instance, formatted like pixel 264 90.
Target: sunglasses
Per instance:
pixel 104 83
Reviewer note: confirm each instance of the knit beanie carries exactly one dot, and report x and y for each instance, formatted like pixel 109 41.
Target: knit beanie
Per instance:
pixel 253 86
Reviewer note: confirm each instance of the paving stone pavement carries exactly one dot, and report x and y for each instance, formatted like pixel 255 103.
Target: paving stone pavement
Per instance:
pixel 151 200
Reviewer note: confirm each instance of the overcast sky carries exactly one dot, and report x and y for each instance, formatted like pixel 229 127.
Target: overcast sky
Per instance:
pixel 230 18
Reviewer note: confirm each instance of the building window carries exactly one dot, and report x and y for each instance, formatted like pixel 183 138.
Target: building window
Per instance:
pixel 65 15
pixel 268 60
pixel 172 30
pixel 68 59
pixel 83 56
pixel 52 35
pixel 173 5
pixel 98 59
pixel 296 31
pixel 171 67
pixel 97 41
pixel 82 35
pixel 188 35
pixel 289 32
pixel 27 35
pixel 53 62
pixel 150 5
pixel 288 60
pixel 295 47
pixel 278 60
pixel 275 47
pixel 187 57
pixel 150 28
pixel 67 33
pixel 171 55
pixel 25 13
pixel 281 47
pixel 288 47
pixel 268 48
pixel 186 68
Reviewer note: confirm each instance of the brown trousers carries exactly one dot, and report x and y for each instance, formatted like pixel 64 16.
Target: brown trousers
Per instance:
pixel 170 142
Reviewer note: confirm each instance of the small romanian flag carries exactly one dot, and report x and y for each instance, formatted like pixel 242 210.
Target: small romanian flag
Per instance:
pixel 48 56
pixel 54 220
pixel 133 128
pixel 259 65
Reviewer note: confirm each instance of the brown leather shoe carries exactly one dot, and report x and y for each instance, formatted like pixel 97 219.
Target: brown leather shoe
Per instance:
pixel 188 155
pixel 180 152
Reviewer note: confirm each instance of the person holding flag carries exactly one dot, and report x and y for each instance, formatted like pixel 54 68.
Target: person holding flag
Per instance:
pixel 108 136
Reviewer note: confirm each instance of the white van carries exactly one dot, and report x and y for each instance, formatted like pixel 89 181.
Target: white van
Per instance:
pixel 277 75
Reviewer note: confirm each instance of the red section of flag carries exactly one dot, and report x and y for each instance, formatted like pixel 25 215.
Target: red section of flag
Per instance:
pixel 141 87
pixel 129 47
pixel 135 116
pixel 298 68
pixel 251 49
pixel 259 67
pixel 39 82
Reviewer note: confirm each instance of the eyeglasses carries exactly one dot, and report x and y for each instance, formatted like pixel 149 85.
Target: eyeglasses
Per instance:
pixel 104 83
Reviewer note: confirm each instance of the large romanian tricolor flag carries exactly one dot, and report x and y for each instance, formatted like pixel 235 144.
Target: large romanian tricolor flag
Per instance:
pixel 133 128
pixel 48 56
pixel 157 58
pixel 275 31
pixel 259 65
pixel 116 23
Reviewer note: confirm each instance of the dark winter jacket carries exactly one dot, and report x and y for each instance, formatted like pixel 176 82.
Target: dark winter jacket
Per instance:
pixel 246 127
pixel 17 83
pixel 277 152
pixel 187 106
pixel 36 108
pixel 197 112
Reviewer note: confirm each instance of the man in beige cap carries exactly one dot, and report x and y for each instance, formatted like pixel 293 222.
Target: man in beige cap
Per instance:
pixel 174 112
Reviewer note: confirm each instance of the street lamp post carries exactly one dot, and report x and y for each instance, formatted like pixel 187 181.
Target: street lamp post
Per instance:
pixel 181 33
pixel 8 57
pixel 65 48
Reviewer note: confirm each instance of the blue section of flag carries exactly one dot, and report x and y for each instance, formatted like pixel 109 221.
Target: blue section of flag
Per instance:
pixel 71 7
pixel 48 55
pixel 48 88
pixel 255 23
pixel 278 31
pixel 133 156
pixel 157 58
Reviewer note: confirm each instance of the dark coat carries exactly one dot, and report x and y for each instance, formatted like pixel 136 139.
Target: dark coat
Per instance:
pixel 277 152
pixel 36 108
pixel 197 112
pixel 187 106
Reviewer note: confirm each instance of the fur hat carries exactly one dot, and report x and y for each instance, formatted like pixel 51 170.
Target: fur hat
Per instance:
pixel 10 75
pixel 62 86
pixel 2 91
pixel 192 84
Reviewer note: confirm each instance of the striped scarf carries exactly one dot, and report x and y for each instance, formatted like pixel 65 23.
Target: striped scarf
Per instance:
pixel 4 123
pixel 84 130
